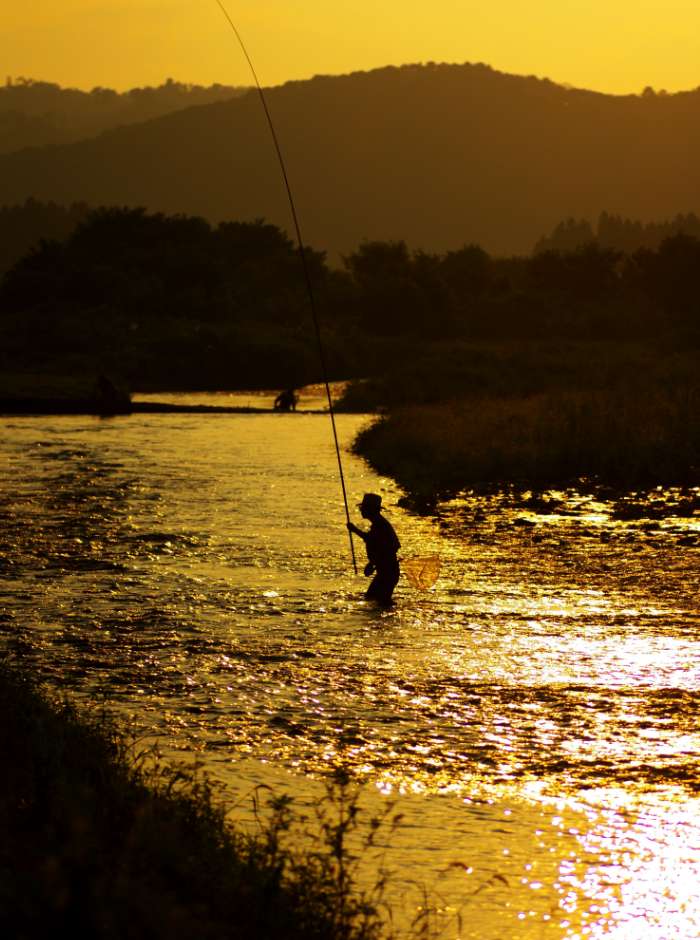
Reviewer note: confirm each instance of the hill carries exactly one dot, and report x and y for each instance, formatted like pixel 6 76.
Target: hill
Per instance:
pixel 436 155
pixel 39 114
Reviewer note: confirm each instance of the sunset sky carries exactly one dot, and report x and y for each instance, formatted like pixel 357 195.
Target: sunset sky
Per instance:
pixel 616 46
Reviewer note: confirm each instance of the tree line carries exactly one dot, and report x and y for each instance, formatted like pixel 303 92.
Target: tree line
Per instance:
pixel 174 300
pixel 24 225
pixel 616 232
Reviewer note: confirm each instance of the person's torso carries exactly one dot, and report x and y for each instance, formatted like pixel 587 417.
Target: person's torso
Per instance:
pixel 382 542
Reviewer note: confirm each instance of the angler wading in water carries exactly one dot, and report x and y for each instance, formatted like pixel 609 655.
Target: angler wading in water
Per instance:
pixel 382 546
pixel 381 541
pixel 310 291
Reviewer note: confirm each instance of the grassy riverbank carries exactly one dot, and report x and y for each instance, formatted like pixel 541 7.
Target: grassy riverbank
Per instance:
pixel 537 417
pixel 93 845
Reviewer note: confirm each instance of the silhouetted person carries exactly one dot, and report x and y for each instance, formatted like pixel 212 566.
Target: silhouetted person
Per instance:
pixel 108 398
pixel 286 400
pixel 382 545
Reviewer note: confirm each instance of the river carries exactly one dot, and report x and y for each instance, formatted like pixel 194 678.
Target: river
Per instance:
pixel 533 717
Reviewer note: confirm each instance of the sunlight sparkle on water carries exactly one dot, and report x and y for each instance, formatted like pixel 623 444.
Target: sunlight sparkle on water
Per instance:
pixel 534 715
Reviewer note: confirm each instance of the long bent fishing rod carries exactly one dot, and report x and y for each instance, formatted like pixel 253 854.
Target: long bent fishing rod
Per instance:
pixel 305 265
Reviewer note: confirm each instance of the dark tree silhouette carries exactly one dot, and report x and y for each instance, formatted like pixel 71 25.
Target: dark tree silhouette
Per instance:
pixel 23 226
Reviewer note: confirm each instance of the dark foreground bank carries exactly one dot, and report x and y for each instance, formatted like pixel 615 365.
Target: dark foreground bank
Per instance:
pixel 93 845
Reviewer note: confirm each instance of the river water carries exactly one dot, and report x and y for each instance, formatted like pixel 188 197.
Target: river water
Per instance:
pixel 533 717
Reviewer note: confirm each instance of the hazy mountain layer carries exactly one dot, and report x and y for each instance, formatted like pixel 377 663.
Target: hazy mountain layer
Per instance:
pixel 438 155
pixel 39 114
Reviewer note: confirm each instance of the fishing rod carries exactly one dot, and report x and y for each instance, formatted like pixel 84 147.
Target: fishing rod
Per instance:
pixel 305 265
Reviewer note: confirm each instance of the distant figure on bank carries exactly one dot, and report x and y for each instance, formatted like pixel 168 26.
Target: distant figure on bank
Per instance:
pixel 382 546
pixel 107 397
pixel 286 400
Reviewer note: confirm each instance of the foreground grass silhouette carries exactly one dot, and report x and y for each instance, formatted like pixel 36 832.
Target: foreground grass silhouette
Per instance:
pixel 94 845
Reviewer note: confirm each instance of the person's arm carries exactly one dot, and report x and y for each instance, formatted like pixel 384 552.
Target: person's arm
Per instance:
pixel 353 528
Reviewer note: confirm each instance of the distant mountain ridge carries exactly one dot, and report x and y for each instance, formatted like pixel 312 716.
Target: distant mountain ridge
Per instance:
pixel 41 114
pixel 437 155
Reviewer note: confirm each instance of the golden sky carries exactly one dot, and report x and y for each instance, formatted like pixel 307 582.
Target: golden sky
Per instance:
pixel 616 46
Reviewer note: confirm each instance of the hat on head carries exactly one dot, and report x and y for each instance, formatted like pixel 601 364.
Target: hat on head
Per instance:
pixel 371 501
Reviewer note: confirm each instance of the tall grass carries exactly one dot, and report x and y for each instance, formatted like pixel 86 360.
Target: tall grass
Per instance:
pixel 410 375
pixel 618 437
pixel 94 845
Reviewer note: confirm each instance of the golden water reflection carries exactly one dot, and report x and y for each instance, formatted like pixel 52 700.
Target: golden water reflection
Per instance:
pixel 534 715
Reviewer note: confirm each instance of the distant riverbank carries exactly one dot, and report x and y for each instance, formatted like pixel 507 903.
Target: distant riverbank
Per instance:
pixel 94 845
pixel 86 406
pixel 61 395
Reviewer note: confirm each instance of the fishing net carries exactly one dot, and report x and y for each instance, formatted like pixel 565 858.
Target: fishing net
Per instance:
pixel 423 572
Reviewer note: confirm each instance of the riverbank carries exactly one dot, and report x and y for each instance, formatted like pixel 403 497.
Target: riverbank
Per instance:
pixel 96 845
pixel 30 394
pixel 86 406
pixel 536 416
pixel 613 440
